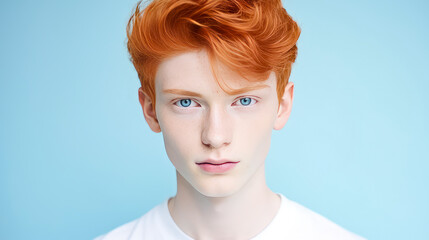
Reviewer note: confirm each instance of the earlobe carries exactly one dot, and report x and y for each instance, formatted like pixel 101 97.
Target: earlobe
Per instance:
pixel 148 111
pixel 285 107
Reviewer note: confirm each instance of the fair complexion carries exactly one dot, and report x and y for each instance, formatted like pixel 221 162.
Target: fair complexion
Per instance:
pixel 199 121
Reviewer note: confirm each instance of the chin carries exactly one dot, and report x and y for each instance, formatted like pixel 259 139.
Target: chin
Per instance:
pixel 215 193
pixel 217 189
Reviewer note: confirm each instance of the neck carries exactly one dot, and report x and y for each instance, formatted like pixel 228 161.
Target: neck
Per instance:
pixel 241 215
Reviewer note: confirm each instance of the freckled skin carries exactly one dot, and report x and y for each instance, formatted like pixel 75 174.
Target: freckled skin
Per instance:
pixel 217 126
pixel 221 127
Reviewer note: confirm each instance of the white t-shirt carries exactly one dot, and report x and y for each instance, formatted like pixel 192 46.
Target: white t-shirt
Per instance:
pixel 292 221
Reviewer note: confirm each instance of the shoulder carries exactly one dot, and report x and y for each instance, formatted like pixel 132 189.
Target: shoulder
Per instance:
pixel 121 232
pixel 304 223
pixel 133 228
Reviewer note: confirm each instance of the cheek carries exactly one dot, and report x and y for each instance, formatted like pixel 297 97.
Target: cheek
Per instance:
pixel 254 135
pixel 255 127
pixel 180 134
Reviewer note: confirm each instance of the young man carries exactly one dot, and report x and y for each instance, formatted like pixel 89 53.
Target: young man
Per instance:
pixel 214 77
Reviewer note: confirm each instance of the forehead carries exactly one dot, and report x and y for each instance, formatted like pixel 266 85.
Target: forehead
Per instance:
pixel 193 70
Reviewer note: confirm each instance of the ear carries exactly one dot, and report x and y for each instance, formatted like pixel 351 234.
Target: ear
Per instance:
pixel 285 107
pixel 148 111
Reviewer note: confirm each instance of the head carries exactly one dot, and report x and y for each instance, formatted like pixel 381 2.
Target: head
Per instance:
pixel 214 78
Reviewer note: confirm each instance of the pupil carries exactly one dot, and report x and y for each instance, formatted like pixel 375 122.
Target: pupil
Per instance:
pixel 185 102
pixel 245 101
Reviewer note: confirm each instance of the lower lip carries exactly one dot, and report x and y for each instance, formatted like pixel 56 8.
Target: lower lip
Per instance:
pixel 220 168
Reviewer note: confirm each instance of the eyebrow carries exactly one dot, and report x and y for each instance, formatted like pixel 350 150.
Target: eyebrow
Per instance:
pixel 234 92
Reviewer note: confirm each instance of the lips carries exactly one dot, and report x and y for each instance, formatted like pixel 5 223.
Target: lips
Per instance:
pixel 216 166
pixel 216 162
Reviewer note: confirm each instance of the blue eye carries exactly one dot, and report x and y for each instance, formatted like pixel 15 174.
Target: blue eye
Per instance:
pixel 185 102
pixel 246 101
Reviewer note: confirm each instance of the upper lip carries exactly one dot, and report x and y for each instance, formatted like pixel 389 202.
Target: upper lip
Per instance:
pixel 217 162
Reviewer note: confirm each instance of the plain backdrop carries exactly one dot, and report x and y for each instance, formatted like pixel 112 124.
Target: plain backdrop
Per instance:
pixel 78 159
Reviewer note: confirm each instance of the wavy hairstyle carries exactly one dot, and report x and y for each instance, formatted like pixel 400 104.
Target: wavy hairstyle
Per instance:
pixel 251 37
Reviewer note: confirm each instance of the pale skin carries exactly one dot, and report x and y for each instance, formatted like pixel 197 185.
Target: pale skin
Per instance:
pixel 236 204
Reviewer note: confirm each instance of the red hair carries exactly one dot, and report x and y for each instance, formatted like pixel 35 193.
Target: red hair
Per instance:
pixel 253 37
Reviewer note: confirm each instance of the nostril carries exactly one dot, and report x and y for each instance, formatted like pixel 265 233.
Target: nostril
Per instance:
pixel 216 139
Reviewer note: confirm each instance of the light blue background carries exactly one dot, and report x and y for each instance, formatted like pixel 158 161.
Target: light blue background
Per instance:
pixel 78 159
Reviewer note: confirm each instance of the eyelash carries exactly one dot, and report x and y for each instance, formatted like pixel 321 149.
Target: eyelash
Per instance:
pixel 178 100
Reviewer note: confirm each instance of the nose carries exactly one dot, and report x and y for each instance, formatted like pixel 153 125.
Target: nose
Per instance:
pixel 216 128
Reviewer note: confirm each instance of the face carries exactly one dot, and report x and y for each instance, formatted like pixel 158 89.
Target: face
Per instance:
pixel 202 123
